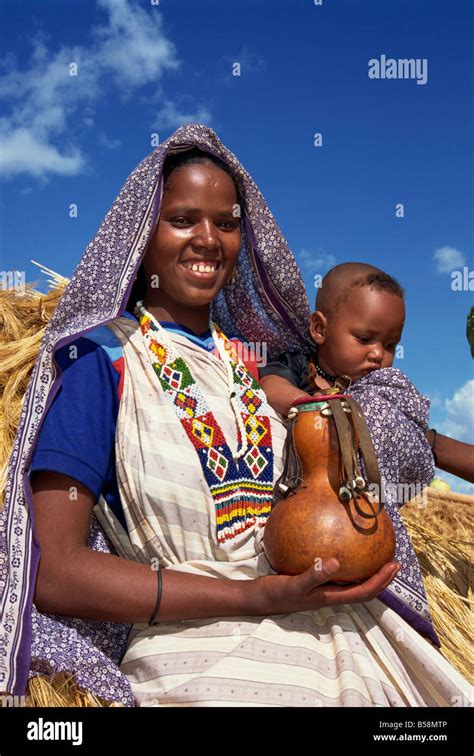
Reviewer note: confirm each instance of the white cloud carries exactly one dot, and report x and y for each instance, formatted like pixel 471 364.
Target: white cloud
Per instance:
pixel 448 259
pixel 22 152
pixel 315 262
pixel 250 63
pixel 108 142
pixel 456 421
pixel 459 419
pixel 171 116
pixel 435 399
pixel 457 484
pixel 46 103
pixel 132 45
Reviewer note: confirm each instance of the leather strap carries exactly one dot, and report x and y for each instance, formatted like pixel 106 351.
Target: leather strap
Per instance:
pixel 353 436
pixel 365 442
pixel 345 438
pixel 291 477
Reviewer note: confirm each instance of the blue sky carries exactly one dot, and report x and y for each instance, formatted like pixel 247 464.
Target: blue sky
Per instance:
pixel 145 68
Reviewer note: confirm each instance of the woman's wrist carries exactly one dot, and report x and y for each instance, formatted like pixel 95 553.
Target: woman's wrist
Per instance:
pixel 154 619
pixel 432 435
pixel 266 595
pixel 452 456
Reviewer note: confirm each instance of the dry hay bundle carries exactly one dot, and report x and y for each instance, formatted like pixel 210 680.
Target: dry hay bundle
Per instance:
pixel 440 532
pixel 61 690
pixel 24 316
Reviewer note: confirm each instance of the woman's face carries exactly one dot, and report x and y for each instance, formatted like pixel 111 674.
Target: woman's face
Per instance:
pixel 197 226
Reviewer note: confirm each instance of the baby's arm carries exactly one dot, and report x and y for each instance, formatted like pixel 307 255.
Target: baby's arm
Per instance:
pixel 281 393
pixel 283 379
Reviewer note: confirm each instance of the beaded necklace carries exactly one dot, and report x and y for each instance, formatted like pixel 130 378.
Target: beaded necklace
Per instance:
pixel 240 482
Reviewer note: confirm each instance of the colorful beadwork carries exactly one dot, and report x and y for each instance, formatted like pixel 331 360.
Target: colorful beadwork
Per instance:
pixel 242 489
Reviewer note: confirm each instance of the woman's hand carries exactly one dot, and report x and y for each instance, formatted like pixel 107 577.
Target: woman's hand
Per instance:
pixel 312 589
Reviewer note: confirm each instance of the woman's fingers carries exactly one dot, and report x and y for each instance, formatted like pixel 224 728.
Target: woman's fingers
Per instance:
pixel 312 589
pixel 319 573
pixel 366 591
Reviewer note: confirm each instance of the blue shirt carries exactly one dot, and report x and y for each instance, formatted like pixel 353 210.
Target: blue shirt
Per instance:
pixel 77 435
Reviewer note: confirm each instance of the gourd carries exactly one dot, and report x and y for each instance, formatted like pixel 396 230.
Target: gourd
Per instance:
pixel 328 510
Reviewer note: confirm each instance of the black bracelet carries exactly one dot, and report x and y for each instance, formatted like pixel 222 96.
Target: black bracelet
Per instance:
pixel 153 620
pixel 433 444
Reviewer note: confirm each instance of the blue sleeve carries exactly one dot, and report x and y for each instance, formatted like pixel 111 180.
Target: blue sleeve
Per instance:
pixel 77 435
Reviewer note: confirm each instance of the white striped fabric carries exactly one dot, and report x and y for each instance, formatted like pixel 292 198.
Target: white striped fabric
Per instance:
pixel 349 655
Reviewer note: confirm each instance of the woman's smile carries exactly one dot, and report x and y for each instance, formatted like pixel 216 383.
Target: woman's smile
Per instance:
pixel 199 269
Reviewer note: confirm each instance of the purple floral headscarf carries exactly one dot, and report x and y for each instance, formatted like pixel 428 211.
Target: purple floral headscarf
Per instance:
pixel 266 303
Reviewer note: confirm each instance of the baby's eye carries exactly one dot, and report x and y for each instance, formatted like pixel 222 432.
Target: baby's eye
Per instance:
pixel 391 347
pixel 363 339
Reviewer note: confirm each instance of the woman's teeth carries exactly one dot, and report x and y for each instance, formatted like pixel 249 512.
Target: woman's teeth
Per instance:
pixel 200 267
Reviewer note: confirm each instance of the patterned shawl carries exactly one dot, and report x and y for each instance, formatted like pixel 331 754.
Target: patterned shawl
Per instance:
pixel 267 303
pixel 397 417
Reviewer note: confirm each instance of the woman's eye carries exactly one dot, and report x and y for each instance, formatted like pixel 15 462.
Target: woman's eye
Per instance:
pixel 229 224
pixel 181 221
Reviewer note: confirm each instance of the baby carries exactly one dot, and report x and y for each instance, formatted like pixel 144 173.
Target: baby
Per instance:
pixel 357 324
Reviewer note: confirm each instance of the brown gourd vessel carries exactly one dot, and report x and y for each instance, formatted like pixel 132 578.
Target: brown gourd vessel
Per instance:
pixel 314 523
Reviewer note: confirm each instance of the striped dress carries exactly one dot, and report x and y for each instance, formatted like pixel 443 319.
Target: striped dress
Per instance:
pixel 348 655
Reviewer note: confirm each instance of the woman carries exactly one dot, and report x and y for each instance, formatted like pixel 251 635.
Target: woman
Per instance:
pixel 197 451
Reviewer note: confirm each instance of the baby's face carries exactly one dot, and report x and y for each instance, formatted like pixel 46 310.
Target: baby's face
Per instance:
pixel 363 333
